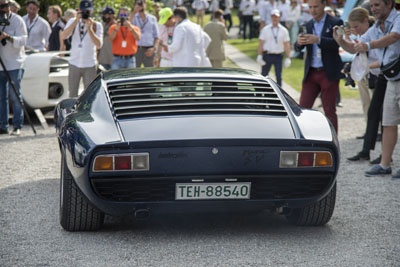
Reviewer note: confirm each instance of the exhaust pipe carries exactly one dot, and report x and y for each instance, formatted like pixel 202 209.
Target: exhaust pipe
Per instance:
pixel 141 214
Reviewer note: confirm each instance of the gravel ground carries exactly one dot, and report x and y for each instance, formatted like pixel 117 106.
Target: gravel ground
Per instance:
pixel 364 230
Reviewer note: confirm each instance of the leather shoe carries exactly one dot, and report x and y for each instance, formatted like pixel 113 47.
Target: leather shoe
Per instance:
pixel 16 132
pixel 359 156
pixel 3 131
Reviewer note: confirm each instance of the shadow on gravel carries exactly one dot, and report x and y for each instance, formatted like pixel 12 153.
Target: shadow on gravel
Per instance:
pixel 32 209
pixel 10 139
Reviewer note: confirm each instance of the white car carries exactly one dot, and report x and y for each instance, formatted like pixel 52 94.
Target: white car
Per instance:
pixel 45 81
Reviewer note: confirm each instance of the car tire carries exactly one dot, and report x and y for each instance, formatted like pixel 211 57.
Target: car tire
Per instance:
pixel 76 213
pixel 316 214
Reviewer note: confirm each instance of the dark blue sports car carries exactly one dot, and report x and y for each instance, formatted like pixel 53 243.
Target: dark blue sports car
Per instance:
pixel 192 139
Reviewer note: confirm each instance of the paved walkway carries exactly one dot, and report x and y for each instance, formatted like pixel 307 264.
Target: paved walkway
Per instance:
pixel 246 62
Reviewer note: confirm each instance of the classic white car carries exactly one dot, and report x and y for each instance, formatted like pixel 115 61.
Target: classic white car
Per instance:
pixel 45 81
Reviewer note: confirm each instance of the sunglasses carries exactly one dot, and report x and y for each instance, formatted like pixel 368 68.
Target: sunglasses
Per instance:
pixel 4 5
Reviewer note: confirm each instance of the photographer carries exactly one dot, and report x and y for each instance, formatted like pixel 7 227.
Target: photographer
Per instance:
pixel 123 36
pixel 13 39
pixel 87 37
pixel 384 37
pixel 105 53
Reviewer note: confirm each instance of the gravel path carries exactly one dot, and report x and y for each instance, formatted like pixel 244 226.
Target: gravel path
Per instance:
pixel 364 230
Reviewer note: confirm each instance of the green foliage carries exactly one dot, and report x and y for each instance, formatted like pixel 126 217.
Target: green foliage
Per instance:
pixel 74 4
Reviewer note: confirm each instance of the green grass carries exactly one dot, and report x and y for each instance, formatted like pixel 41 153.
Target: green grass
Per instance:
pixel 292 75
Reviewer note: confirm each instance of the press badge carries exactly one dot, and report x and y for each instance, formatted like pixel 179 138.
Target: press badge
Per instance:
pixel 318 53
pixel 123 44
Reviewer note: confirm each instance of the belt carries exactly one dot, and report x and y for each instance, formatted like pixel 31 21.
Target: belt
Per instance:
pixel 147 47
pixel 317 69
pixel 274 54
pixel 124 56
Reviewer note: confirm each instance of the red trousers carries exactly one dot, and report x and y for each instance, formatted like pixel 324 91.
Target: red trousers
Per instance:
pixel 315 83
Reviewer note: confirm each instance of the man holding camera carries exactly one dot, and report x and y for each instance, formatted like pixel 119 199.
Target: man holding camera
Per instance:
pixel 384 38
pixel 322 68
pixel 13 39
pixel 38 28
pixel 87 37
pixel 123 36
pixel 105 53
pixel 147 24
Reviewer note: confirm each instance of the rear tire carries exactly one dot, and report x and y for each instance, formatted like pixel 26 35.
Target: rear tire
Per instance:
pixel 76 213
pixel 316 214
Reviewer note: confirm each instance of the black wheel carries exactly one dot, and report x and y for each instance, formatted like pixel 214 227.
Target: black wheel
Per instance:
pixel 316 214
pixel 76 213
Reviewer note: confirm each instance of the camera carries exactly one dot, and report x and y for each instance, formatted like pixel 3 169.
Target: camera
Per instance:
pixel 122 20
pixel 347 78
pixel 85 14
pixel 4 19
pixel 139 3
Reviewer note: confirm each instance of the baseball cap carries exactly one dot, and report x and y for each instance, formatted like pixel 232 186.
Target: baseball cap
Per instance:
pixel 86 5
pixel 164 14
pixel 276 12
pixel 107 10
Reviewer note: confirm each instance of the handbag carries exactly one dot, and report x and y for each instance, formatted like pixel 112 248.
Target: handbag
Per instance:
pixel 392 69
pixel 359 67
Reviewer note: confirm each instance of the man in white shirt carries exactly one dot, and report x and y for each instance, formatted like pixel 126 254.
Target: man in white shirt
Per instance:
pixel 248 8
pixel 273 41
pixel 38 28
pixel 87 37
pixel 12 42
pixel 200 6
pixel 189 44
pixel 284 8
pixel 227 6
pixel 265 12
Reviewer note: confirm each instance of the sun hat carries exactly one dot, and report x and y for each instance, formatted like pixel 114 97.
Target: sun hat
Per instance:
pixel 276 12
pixel 164 14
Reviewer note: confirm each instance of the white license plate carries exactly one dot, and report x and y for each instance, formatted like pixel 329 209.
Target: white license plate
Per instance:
pixel 189 191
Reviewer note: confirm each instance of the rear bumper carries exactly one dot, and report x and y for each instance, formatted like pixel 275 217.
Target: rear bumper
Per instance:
pixel 124 196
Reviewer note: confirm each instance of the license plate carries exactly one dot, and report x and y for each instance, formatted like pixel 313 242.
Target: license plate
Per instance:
pixel 189 191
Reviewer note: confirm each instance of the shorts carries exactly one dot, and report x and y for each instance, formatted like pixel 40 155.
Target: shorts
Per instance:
pixel 391 104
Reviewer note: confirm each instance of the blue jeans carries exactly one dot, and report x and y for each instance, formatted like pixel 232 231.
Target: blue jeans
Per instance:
pixel 276 60
pixel 123 62
pixel 5 90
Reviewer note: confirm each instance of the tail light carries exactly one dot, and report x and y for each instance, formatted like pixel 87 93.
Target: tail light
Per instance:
pixel 300 159
pixel 122 162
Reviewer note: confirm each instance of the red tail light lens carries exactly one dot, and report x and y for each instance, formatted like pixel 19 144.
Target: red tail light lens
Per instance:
pixel 123 163
pixel 306 159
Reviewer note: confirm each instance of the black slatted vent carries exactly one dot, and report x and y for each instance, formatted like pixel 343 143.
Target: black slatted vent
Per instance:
pixel 159 98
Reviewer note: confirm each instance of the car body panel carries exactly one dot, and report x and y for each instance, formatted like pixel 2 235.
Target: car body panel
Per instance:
pixel 188 147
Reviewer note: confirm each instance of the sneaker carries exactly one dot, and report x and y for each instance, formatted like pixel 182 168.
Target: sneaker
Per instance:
pixel 397 174
pixel 359 156
pixel 378 170
pixel 16 132
pixel 3 131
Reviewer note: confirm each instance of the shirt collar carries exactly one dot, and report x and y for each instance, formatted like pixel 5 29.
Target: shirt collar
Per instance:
pixel 321 21
pixel 392 15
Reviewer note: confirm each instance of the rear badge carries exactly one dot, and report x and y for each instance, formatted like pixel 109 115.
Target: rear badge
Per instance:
pixel 215 151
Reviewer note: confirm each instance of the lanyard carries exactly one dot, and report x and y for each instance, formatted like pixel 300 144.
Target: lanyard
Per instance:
pixel 140 22
pixel 32 25
pixel 9 18
pixel 277 33
pixel 124 34
pixel 82 33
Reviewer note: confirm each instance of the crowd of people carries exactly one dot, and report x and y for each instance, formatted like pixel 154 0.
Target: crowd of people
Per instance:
pixel 134 38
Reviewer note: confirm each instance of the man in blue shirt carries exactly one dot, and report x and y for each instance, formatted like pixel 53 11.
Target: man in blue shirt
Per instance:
pixel 384 37
pixel 149 34
pixel 322 69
